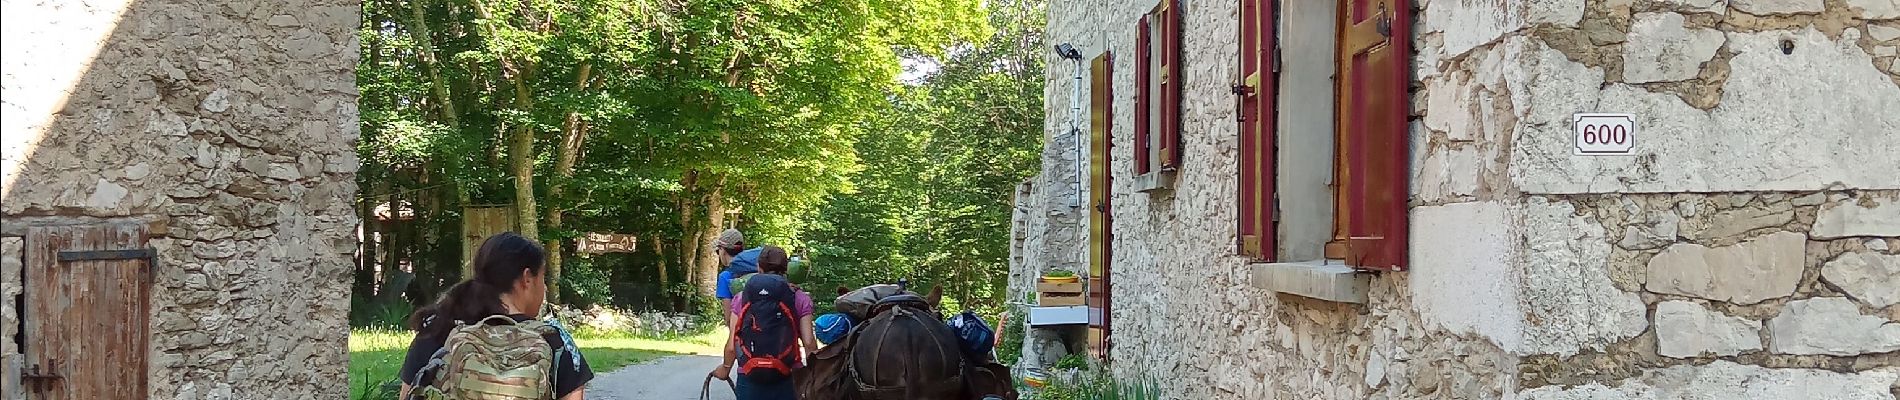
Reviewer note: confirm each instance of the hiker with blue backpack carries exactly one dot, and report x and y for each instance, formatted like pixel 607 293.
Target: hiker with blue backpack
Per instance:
pixel 771 324
pixel 737 260
pixel 483 338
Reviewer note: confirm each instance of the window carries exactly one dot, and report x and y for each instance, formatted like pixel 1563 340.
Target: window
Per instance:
pixel 1101 180
pixel 1324 179
pixel 1158 89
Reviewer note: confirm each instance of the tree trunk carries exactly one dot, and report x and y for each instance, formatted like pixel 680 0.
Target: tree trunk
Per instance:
pixel 498 102
pixel 392 244
pixel 366 251
pixel 690 246
pixel 521 156
pixel 715 222
pixel 705 268
pixel 660 264
pixel 573 135
pixel 659 254
pixel 425 43
pixel 402 245
pixel 365 277
pixel 521 144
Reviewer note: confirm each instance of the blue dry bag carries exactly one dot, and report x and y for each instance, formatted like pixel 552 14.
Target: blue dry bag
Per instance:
pixel 832 327
pixel 976 336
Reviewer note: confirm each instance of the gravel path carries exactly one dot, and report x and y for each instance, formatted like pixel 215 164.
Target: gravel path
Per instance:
pixel 670 378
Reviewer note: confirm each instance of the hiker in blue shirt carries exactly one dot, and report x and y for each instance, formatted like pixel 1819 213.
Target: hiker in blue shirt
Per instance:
pixel 738 261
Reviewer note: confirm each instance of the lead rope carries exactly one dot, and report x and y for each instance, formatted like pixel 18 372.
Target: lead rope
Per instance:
pixel 705 389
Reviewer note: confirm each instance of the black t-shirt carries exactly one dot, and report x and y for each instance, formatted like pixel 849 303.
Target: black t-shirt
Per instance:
pixel 570 369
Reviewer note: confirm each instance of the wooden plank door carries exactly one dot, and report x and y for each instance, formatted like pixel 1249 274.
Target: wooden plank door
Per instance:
pixel 478 223
pixel 87 305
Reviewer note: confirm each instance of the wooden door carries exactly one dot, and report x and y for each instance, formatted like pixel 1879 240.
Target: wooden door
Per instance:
pixel 1374 161
pixel 87 304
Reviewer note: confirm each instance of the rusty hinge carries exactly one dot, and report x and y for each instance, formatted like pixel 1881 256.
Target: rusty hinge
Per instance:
pixel 90 255
pixel 39 380
pixel 148 254
pixel 1276 209
pixel 1278 61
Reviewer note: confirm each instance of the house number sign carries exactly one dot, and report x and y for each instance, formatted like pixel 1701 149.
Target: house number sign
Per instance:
pixel 1603 134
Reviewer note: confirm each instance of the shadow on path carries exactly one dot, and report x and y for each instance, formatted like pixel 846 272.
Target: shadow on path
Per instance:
pixel 670 378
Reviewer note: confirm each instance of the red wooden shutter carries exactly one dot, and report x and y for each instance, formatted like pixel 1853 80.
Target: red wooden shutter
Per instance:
pixel 1101 232
pixel 1170 84
pixel 1376 78
pixel 1142 71
pixel 1257 232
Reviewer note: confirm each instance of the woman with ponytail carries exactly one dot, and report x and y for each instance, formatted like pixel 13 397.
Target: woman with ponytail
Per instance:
pixel 509 279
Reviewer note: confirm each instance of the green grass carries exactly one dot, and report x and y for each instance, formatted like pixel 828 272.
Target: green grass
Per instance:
pixel 375 356
pixel 377 353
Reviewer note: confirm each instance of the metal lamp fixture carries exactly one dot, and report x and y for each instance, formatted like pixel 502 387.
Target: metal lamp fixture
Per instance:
pixel 1069 52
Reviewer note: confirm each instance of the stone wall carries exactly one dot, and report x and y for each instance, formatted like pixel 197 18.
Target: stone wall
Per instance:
pixel 1185 313
pixel 1700 265
pixel 1746 251
pixel 1787 287
pixel 231 123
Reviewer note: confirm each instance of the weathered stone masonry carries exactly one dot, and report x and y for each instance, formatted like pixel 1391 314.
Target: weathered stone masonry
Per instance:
pixel 1751 248
pixel 232 125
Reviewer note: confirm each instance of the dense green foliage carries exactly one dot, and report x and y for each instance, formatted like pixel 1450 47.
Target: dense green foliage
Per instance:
pixel 934 203
pixel 670 120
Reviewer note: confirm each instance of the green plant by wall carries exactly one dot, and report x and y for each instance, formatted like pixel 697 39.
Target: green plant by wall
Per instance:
pixel 1014 331
pixel 1098 385
pixel 366 312
pixel 585 283
pixel 1073 361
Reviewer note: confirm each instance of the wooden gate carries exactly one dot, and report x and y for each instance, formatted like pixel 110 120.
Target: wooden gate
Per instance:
pixel 478 223
pixel 87 305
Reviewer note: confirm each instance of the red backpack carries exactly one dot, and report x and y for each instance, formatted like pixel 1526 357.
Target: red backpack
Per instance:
pixel 768 329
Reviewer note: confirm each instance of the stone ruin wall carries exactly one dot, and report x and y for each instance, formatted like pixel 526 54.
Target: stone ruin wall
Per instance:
pixel 1535 272
pixel 231 124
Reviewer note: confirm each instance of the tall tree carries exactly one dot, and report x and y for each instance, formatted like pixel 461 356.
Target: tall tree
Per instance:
pixel 936 207
pixel 658 118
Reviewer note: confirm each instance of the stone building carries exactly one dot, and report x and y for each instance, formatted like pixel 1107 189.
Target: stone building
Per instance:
pixel 1407 199
pixel 178 180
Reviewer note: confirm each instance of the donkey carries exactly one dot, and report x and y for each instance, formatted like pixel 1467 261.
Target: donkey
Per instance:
pixel 904 351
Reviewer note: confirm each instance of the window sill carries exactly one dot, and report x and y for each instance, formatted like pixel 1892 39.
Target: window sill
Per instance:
pixel 1314 279
pixel 1155 181
pixel 1055 316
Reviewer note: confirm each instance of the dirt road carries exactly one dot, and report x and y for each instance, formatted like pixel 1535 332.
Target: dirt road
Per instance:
pixel 671 378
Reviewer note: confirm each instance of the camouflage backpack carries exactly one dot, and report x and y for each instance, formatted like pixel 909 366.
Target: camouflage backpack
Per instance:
pixel 507 360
